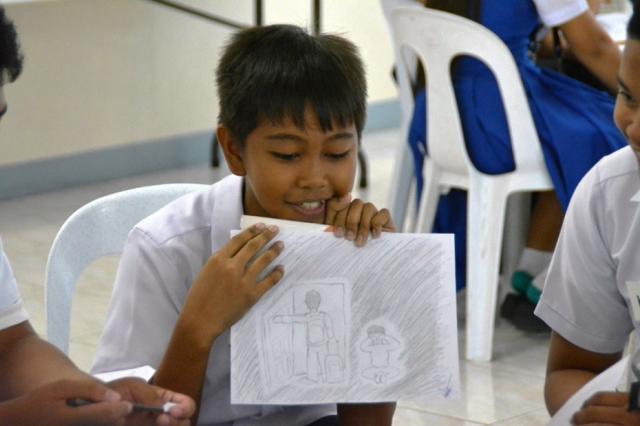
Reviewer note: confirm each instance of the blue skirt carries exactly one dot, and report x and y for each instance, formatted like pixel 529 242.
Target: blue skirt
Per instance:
pixel 574 123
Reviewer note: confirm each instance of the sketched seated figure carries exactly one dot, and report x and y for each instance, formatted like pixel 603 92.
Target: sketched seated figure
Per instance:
pixel 379 345
pixel 323 364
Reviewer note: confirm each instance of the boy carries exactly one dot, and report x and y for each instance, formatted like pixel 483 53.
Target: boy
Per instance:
pixel 591 298
pixel 292 109
pixel 36 379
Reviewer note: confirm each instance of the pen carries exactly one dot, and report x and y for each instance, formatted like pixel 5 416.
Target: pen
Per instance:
pixel 164 408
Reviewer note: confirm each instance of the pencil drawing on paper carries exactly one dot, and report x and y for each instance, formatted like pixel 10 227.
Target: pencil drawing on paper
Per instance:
pixel 347 324
pixel 306 335
pixel 380 352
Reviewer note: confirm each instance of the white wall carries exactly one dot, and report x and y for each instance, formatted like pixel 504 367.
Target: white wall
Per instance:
pixel 106 73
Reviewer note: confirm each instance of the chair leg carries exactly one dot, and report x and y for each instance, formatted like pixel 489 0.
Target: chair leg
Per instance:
pixel 515 231
pixel 429 199
pixel 215 151
pixel 362 161
pixel 485 223
pixel 401 185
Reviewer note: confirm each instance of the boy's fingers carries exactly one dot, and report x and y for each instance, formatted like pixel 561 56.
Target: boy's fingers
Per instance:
pixel 335 205
pixel 339 223
pixel 270 280
pixel 98 414
pixel 599 415
pixel 236 243
pixel 353 219
pixel 255 244
pixel 264 260
pixel 90 390
pixel 382 221
pixel 612 399
pixel 368 213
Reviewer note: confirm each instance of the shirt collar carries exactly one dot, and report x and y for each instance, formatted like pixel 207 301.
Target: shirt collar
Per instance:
pixel 636 197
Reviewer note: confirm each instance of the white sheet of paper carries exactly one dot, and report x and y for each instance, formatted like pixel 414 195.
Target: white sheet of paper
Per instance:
pixel 144 372
pixel 348 324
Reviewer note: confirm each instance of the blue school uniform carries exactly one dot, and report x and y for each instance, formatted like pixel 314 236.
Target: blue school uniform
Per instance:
pixel 574 121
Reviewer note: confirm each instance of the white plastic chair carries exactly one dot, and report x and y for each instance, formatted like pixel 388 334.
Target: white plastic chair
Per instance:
pixel 97 229
pixel 437 38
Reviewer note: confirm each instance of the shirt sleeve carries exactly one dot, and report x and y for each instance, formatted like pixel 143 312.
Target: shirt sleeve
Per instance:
pixel 144 307
pixel 11 310
pixel 581 300
pixel 557 12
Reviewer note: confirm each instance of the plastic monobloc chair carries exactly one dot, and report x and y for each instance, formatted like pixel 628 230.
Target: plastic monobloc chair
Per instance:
pixel 97 229
pixel 437 38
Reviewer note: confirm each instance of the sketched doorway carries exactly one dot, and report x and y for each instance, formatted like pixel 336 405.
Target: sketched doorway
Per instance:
pixel 306 335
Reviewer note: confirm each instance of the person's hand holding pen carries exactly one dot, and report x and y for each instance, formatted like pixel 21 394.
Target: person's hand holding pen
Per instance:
pixel 153 403
pixel 111 404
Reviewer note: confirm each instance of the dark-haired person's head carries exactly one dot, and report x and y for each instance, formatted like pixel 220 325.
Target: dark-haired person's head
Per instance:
pixel 292 109
pixel 627 111
pixel 275 72
pixel 10 57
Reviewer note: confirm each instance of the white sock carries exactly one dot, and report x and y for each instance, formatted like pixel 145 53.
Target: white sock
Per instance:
pixel 534 261
pixel 538 281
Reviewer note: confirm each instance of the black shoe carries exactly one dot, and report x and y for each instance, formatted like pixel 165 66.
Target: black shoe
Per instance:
pixel 518 310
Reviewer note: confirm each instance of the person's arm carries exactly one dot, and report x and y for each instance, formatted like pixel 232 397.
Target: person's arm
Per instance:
pixel 37 380
pixel 570 367
pixel 379 414
pixel 593 47
pixel 27 362
pixel 222 293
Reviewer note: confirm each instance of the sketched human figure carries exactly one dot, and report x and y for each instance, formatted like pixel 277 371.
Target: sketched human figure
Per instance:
pixel 323 363
pixel 379 345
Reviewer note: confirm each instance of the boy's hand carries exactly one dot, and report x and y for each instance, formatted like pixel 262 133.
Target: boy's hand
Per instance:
pixel 355 219
pixel 606 408
pixel 138 391
pixel 228 285
pixel 47 405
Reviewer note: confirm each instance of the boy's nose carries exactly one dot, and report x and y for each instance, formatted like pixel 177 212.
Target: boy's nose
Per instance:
pixel 312 176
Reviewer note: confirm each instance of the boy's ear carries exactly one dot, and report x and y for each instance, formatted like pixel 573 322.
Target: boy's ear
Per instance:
pixel 232 153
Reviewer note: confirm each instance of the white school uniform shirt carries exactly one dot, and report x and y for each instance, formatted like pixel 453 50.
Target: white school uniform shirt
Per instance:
pixel 597 257
pixel 11 310
pixel 557 12
pixel 162 257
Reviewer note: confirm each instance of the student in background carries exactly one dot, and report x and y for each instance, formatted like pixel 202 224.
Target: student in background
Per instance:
pixel 591 298
pixel 36 379
pixel 573 121
pixel 292 110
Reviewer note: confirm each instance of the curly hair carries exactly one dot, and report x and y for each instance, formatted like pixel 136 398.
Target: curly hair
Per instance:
pixel 10 56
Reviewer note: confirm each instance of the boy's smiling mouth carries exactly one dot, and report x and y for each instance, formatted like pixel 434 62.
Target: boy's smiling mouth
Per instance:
pixel 310 209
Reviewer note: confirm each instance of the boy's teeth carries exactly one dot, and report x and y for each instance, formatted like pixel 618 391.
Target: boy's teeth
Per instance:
pixel 310 205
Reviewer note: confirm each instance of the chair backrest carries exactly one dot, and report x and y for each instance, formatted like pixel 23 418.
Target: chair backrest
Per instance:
pixel 437 38
pixel 97 229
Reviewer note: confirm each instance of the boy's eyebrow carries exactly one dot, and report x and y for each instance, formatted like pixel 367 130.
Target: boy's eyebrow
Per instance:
pixel 286 137
pixel 621 83
pixel 341 135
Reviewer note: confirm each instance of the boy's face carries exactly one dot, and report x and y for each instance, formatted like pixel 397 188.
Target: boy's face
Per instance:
pixel 627 111
pixel 291 173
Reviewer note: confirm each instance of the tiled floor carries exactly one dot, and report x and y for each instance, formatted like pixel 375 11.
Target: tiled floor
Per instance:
pixel 507 391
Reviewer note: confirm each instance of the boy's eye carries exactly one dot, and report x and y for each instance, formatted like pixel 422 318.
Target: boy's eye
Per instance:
pixel 338 155
pixel 626 96
pixel 285 156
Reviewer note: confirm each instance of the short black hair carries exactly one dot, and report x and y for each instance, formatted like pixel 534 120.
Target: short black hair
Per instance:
pixel 274 72
pixel 10 56
pixel 633 30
